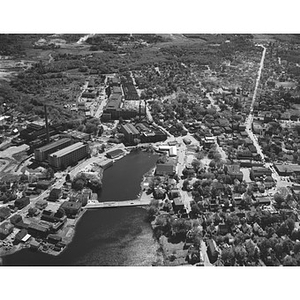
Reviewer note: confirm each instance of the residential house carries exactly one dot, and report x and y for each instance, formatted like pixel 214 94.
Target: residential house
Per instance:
pixel 4 213
pixel 22 202
pixel 6 229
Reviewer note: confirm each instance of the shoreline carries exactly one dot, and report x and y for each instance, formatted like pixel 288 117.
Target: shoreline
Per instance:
pixel 69 230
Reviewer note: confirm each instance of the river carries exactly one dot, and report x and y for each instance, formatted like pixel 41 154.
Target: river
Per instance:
pixel 107 237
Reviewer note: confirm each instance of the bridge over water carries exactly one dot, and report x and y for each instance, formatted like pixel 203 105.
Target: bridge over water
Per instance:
pixel 126 203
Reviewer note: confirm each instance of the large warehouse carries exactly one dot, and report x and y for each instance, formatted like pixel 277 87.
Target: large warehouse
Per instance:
pixel 68 156
pixel 41 154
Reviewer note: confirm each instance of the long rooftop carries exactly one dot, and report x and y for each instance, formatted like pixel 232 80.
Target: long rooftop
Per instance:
pixel 54 144
pixel 67 150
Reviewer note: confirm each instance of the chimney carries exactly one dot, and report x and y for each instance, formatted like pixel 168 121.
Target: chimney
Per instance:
pixel 47 125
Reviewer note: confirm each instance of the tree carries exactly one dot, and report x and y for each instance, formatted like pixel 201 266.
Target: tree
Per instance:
pixel 228 256
pixel 185 185
pixel 50 173
pixel 196 164
pixel 279 199
pixel 195 209
pixel 179 228
pixel 232 219
pixel 290 223
pixel 78 184
pixel 288 246
pixel 289 261
pixel 152 212
pixel 32 211
pixel 252 250
pixel 212 164
pixel 240 254
pixel 297 247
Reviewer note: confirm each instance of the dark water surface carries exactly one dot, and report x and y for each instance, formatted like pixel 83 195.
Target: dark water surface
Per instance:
pixel 112 236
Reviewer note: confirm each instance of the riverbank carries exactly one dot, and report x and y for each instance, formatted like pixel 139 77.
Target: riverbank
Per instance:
pixel 110 236
pixel 68 233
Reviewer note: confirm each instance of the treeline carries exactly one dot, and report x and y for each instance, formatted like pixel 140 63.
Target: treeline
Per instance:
pixel 12 44
pixel 17 44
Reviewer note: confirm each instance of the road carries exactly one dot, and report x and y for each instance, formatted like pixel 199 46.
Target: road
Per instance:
pixel 280 182
pixel 249 120
pixel 100 108
pixel 205 256
pixel 212 101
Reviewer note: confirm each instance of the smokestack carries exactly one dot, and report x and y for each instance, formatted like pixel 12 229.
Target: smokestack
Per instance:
pixel 47 125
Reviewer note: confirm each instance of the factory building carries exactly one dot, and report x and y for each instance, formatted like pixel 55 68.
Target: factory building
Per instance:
pixel 41 154
pixel 68 156
pixel 130 132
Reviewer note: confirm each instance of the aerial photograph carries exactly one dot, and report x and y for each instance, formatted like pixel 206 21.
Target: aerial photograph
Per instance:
pixel 149 149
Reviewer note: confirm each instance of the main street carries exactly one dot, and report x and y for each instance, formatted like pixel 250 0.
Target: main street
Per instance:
pixel 280 182
pixel 249 120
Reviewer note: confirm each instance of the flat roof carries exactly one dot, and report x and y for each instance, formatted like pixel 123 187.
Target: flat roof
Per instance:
pixel 26 238
pixel 54 144
pixel 117 89
pixel 67 150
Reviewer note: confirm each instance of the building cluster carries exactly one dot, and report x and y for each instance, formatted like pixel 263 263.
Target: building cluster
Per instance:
pixel 123 100
pixel 93 90
pixel 43 226
pixel 144 132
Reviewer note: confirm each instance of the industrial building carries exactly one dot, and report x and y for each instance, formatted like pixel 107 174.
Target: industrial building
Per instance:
pixel 68 156
pixel 42 153
pixel 130 132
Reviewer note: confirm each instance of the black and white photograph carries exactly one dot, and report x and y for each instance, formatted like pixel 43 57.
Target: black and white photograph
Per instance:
pixel 153 148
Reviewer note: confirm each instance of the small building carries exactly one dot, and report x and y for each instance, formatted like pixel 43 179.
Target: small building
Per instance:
pixel 20 236
pixel 165 169
pixel 186 140
pixel 22 225
pixel 4 213
pixel 223 229
pixel 174 193
pixel 38 230
pixel 237 197
pixel 263 200
pixel 15 219
pixel 115 153
pixel 173 151
pixel 34 244
pixel 43 184
pixel 55 194
pixel 41 204
pixel 177 204
pixel 6 229
pixel 54 238
pixel 22 202
pixel 71 208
